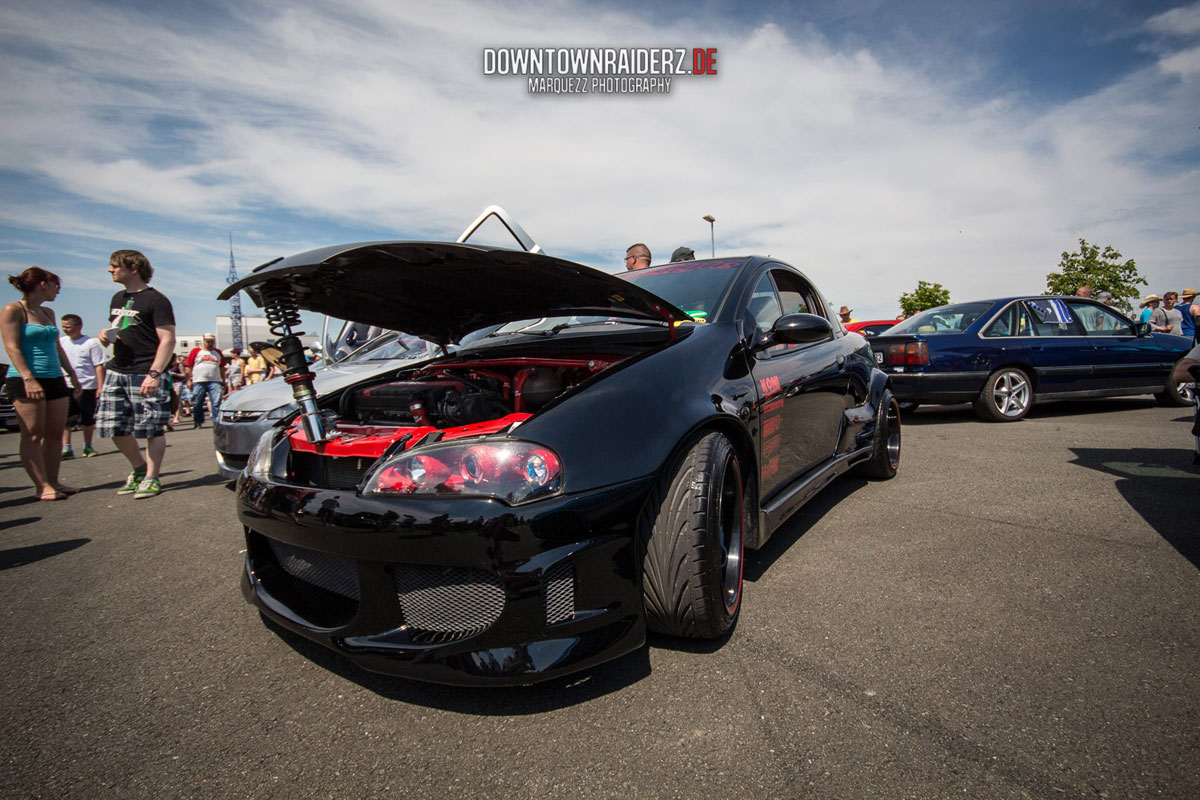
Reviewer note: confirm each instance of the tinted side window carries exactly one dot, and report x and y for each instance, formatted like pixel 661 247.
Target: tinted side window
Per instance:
pixel 1098 321
pixel 763 307
pixel 1005 323
pixel 1052 317
pixel 794 294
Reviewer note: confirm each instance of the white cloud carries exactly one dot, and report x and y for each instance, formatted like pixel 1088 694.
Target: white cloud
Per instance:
pixel 1182 21
pixel 867 173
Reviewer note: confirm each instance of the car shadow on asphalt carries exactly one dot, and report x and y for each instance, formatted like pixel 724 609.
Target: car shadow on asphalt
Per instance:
pixel 758 561
pixel 1048 409
pixel 20 556
pixel 1159 484
pixel 549 695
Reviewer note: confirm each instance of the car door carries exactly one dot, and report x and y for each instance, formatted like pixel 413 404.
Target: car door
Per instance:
pixel 1120 358
pixel 1059 351
pixel 803 388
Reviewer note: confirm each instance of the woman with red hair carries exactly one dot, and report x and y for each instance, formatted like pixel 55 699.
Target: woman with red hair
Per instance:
pixel 38 391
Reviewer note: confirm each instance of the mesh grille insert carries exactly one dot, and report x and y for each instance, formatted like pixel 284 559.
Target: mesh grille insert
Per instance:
pixel 310 469
pixel 559 588
pixel 444 604
pixel 331 573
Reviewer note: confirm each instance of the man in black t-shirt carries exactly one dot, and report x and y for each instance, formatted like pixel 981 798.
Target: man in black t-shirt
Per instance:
pixel 136 402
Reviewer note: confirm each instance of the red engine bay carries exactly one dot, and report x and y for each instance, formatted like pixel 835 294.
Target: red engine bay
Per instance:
pixel 457 399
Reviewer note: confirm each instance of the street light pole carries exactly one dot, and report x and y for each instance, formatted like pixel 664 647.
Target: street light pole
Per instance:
pixel 710 219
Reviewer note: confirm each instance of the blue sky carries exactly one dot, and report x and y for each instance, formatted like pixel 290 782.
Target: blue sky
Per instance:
pixel 871 144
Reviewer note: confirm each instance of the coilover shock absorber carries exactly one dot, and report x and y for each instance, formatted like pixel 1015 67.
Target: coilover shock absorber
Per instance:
pixel 283 314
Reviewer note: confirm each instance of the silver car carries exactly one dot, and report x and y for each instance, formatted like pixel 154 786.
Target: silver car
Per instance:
pixel 249 412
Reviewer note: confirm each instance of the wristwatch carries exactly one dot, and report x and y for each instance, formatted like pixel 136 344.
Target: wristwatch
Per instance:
pixel 155 373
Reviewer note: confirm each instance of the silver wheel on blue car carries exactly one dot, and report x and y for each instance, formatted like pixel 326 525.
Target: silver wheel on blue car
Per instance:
pixel 885 451
pixel 693 540
pixel 1175 394
pixel 1006 396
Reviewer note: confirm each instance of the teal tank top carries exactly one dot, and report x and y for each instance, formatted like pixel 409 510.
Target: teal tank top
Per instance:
pixel 39 345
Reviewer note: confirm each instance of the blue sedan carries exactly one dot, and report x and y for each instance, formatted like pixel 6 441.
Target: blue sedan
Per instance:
pixel 1003 355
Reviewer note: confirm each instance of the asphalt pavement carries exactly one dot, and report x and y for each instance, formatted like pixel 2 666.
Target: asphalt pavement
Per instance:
pixel 1015 615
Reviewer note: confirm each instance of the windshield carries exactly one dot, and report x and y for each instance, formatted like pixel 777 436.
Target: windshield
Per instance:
pixel 946 319
pixel 360 342
pixel 392 345
pixel 696 287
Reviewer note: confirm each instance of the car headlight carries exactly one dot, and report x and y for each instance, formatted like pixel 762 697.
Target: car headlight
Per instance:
pixel 258 465
pixel 515 472
pixel 282 411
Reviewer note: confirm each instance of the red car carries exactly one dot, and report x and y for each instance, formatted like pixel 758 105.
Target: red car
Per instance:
pixel 871 327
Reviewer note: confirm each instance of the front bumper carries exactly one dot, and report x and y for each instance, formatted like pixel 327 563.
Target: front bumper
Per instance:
pixel 457 591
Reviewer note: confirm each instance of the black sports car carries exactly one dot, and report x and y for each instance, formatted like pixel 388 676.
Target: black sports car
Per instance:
pixel 597 464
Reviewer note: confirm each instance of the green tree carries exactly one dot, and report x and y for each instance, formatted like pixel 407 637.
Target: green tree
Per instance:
pixel 926 295
pixel 1102 270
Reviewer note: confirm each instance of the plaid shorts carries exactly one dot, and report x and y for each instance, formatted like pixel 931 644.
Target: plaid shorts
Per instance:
pixel 123 410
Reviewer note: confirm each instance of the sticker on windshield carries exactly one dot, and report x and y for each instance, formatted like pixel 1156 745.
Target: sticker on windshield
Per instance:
pixel 698 315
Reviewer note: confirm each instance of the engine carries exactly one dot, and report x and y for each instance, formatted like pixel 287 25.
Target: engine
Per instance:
pixel 467 394
pixel 440 403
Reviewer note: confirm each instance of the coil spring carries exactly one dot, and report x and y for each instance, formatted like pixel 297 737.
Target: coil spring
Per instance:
pixel 279 304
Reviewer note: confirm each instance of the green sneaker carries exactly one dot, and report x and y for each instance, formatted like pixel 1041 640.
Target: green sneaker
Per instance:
pixel 148 488
pixel 132 482
pixel 89 451
pixel 67 454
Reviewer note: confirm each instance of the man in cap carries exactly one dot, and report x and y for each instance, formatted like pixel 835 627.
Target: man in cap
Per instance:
pixel 1191 312
pixel 683 254
pixel 1106 298
pixel 206 375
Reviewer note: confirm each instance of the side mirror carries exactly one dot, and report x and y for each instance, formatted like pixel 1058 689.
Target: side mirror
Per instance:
pixel 801 329
pixel 1142 329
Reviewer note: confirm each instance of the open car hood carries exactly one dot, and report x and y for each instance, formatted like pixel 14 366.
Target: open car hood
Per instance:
pixel 441 292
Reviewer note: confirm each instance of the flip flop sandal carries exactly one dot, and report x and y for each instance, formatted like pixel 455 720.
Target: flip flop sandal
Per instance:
pixel 67 490
pixel 51 496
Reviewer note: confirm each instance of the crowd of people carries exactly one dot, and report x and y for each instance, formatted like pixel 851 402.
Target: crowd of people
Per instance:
pixel 139 393
pixel 133 396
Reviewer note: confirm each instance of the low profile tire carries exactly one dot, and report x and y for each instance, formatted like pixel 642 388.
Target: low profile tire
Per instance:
pixel 885 453
pixel 1007 396
pixel 1175 394
pixel 693 539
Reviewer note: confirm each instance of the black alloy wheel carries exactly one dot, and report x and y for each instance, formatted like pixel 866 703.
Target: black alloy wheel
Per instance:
pixel 885 452
pixel 693 541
